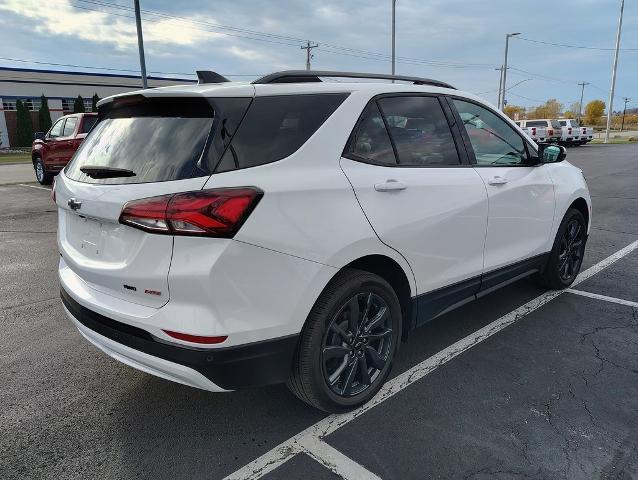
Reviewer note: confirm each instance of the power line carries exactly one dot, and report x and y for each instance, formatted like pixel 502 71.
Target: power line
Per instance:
pixel 112 69
pixel 275 38
pixel 575 46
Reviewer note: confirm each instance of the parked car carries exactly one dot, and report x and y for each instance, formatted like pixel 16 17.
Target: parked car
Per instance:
pixel 51 151
pixel 581 134
pixel 538 134
pixel 230 235
pixel 552 128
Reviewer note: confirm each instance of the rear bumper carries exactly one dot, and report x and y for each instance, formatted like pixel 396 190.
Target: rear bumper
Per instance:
pixel 217 370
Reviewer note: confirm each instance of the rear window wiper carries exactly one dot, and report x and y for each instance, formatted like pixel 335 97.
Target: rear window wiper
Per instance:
pixel 95 171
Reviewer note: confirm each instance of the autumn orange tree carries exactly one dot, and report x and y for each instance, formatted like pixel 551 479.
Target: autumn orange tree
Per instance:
pixel 593 111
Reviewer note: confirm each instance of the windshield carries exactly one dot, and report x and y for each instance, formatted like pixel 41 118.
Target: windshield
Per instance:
pixel 556 124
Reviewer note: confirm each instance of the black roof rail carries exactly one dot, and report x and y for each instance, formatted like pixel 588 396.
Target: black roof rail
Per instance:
pixel 208 76
pixel 303 76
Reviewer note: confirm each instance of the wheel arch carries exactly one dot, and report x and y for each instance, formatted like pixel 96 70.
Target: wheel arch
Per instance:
pixel 390 270
pixel 582 206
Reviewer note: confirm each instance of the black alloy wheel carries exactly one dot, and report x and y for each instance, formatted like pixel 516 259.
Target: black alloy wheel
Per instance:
pixel 572 246
pixel 357 344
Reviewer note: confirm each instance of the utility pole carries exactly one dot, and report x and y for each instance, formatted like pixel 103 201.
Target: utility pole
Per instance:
pixel 507 41
pixel 580 105
pixel 500 84
pixel 140 42
pixel 394 7
pixel 613 73
pixel 622 125
pixel 309 46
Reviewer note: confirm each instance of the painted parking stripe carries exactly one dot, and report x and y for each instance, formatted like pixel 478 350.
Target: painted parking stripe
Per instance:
pixel 605 298
pixel 287 449
pixel 334 460
pixel 34 186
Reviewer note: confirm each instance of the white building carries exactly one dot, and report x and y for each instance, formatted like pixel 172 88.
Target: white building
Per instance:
pixel 61 88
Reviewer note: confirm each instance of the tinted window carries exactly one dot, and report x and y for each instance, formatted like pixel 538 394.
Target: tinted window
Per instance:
pixel 494 141
pixel 574 123
pixel 88 123
pixel 370 141
pixel 56 129
pixel 277 126
pixel 536 123
pixel 69 126
pixel 563 123
pixel 420 131
pixel 555 124
pixel 158 140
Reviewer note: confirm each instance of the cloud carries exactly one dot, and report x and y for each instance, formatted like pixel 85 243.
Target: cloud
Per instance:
pixel 246 54
pixel 60 18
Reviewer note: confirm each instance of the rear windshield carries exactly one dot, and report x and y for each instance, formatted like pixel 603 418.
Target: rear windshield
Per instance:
pixel 555 124
pixel 158 140
pixel 563 123
pixel 536 123
pixel 88 123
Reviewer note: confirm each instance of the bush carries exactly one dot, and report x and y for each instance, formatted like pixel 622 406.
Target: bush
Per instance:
pixel 44 115
pixel 78 105
pixel 25 126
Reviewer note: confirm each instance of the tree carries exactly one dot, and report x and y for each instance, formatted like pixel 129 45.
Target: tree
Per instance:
pixel 94 102
pixel 515 112
pixel 593 111
pixel 569 114
pixel 78 105
pixel 44 115
pixel 574 107
pixel 550 109
pixel 24 124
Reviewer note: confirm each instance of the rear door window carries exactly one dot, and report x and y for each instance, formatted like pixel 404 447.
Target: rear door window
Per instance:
pixel 536 123
pixel 277 126
pixel 87 124
pixel 370 141
pixel 420 131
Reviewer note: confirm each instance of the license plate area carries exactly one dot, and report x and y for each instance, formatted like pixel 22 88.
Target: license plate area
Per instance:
pixel 86 235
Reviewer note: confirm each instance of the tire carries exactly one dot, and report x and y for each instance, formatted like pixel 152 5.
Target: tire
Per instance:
pixel 567 253
pixel 329 363
pixel 41 174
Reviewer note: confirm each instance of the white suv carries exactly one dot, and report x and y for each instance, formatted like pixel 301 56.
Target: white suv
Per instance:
pixel 227 235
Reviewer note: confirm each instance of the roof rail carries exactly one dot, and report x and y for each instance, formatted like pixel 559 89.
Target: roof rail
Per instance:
pixel 303 76
pixel 208 76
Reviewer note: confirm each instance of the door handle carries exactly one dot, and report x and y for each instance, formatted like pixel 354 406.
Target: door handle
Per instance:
pixel 497 180
pixel 390 186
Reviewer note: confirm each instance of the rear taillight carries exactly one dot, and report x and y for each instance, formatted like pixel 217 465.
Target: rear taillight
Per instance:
pixel 210 213
pixel 584 131
pixel 533 130
pixel 550 132
pixel 569 130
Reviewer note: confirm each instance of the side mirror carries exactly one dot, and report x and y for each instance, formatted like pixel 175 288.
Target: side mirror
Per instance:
pixel 39 135
pixel 553 154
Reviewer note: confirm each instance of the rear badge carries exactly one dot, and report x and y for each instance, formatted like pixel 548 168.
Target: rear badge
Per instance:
pixel 130 287
pixel 152 292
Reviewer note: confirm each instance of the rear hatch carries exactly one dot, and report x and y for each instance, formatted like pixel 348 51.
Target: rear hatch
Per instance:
pixel 140 148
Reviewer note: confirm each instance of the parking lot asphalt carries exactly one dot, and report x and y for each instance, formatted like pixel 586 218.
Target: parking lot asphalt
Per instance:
pixel 553 395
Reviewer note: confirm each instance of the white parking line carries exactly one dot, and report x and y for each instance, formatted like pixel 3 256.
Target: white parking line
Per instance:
pixel 604 298
pixel 334 460
pixel 287 449
pixel 34 186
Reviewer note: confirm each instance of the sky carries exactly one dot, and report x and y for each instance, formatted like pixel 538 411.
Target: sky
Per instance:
pixel 460 42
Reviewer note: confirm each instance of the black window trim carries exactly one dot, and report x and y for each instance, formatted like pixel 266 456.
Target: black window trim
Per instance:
pixel 452 122
pixel 532 152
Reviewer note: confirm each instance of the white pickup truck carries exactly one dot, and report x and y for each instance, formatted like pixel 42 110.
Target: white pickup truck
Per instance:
pixel 552 128
pixel 573 133
pixel 538 134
